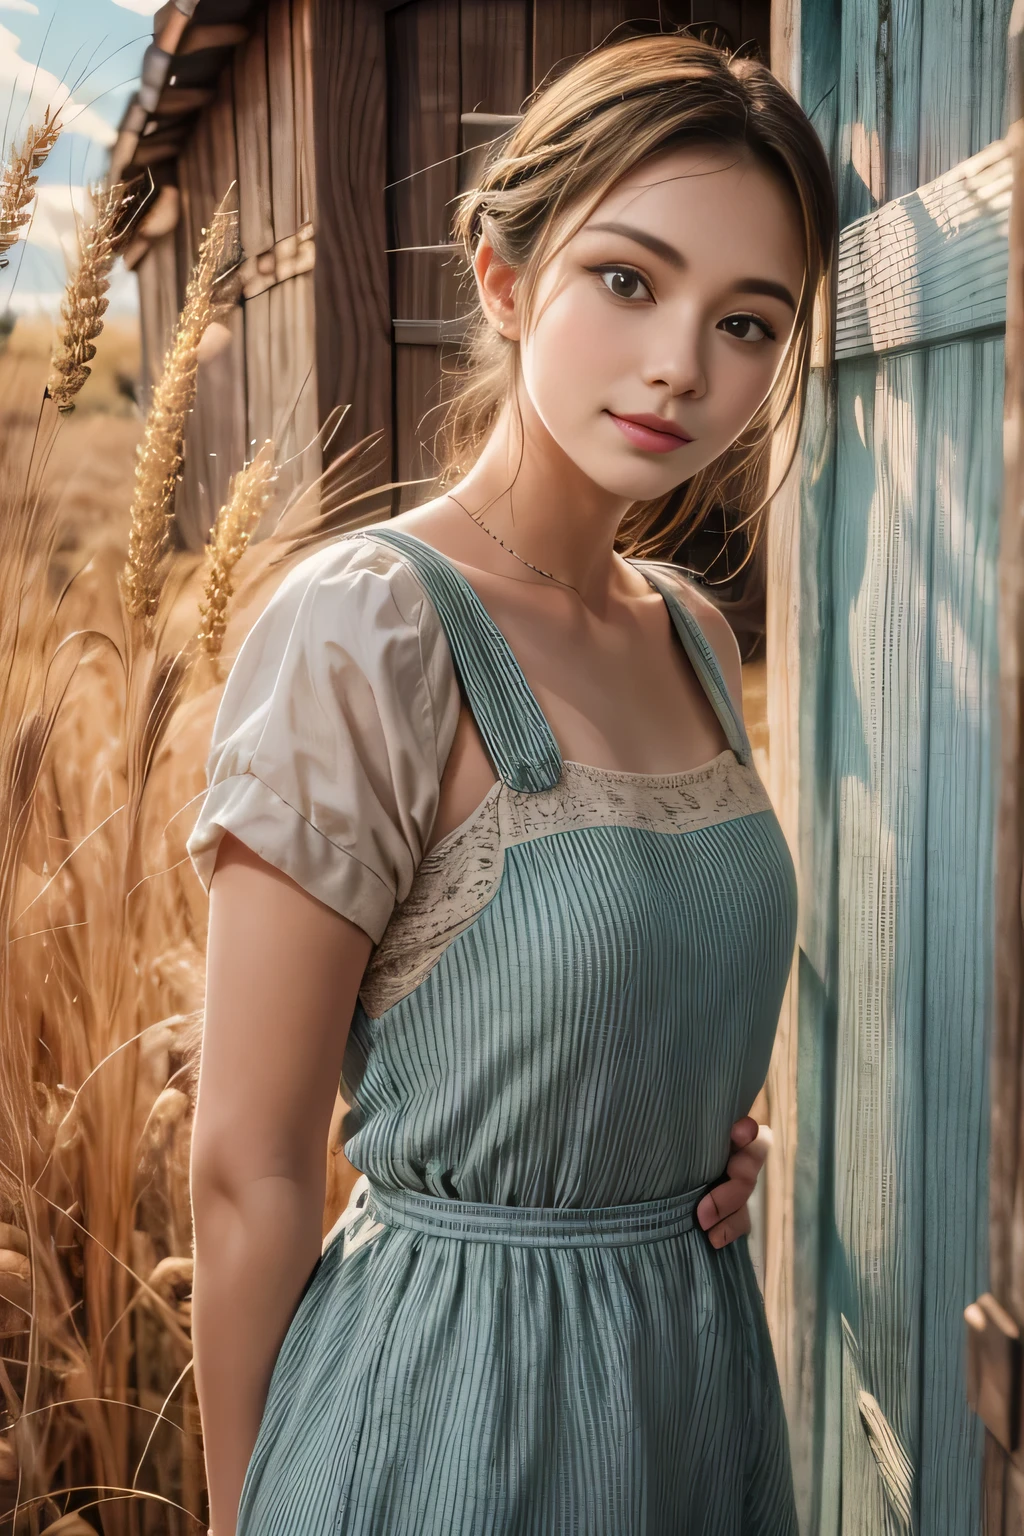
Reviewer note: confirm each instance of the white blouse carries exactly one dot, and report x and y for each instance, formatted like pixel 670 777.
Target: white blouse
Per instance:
pixel 334 727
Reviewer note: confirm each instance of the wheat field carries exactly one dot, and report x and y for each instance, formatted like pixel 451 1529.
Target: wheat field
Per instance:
pixel 113 652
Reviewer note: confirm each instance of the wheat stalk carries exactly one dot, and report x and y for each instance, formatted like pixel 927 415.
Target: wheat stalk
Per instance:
pixel 249 497
pixel 159 455
pixel 18 183
pixel 85 298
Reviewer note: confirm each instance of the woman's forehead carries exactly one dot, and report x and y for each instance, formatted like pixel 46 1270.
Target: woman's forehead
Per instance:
pixel 662 194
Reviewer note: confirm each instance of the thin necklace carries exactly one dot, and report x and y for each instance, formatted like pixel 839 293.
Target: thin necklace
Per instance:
pixel 509 550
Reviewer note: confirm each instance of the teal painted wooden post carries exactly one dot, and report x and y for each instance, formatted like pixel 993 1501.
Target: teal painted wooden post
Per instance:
pixel 887 1158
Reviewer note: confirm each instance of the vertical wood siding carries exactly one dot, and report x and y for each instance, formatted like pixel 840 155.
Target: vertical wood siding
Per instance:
pixel 424 139
pixel 801 1251
pixel 897 669
pixel 257 375
pixel 353 304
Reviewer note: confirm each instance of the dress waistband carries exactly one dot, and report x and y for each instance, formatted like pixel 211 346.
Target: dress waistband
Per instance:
pixel 526 1226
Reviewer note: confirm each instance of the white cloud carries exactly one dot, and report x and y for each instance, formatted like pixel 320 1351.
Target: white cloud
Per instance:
pixel 33 283
pixel 39 88
pixel 140 7
pixel 54 225
pixel 25 6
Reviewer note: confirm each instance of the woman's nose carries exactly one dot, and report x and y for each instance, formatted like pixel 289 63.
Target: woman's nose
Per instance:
pixel 677 363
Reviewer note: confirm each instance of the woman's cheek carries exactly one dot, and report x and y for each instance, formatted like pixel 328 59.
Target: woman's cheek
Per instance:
pixel 743 386
pixel 560 371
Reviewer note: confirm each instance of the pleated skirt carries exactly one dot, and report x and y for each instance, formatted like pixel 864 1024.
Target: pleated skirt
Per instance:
pixel 432 1384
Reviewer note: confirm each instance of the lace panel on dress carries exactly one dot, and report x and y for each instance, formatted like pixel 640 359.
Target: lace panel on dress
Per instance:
pixel 461 874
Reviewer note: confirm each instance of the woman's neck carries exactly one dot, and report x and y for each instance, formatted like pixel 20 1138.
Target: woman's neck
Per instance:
pixel 525 490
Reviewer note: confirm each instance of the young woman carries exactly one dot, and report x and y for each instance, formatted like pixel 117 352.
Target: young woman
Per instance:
pixel 483 835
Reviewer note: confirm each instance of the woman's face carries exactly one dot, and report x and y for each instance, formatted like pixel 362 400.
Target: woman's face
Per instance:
pixel 674 301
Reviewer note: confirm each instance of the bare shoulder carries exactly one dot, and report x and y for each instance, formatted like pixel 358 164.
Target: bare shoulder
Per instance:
pixel 717 631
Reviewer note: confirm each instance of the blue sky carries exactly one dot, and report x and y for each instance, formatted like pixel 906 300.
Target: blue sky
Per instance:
pixel 93 50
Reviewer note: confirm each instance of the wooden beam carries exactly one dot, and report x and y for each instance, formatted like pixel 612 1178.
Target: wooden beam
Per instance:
pixel 806 56
pixel 931 265
pixel 177 100
pixel 284 259
pixel 198 38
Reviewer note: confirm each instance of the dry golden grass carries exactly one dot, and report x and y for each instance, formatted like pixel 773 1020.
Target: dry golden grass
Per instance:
pixel 85 298
pixel 103 744
pixel 20 173
pixel 249 498
pixel 160 452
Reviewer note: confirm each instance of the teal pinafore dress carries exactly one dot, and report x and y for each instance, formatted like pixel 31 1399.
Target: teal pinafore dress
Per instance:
pixel 518 1328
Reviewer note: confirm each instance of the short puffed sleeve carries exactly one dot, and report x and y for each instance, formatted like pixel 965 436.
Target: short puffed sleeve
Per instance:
pixel 335 723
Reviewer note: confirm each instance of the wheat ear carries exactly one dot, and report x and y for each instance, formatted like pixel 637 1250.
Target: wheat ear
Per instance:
pixel 159 455
pixel 249 497
pixel 85 298
pixel 18 181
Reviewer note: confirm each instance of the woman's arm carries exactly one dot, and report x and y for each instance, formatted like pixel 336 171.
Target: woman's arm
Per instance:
pixel 283 971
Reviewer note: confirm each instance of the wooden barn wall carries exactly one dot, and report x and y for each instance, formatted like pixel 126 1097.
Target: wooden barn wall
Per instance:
pixel 257 373
pixel 157 275
pixel 883 669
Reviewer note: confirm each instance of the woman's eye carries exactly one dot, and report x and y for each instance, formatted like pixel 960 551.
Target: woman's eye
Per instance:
pixel 747 328
pixel 623 282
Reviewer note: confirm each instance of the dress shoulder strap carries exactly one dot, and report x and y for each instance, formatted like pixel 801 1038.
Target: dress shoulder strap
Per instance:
pixel 513 726
pixel 664 577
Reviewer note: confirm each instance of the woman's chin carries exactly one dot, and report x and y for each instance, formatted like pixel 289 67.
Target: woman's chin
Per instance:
pixel 624 481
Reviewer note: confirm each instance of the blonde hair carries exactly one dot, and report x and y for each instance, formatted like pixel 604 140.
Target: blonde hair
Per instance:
pixel 616 107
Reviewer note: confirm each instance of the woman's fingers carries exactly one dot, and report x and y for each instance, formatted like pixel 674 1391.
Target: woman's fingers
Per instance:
pixel 737 1225
pixel 744 1131
pixel 723 1212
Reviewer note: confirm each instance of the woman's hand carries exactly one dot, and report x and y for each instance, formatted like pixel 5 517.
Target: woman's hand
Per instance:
pixel 723 1212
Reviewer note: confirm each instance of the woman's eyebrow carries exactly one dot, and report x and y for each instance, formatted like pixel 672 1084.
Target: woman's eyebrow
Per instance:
pixel 652 242
pixel 767 287
pixel 674 258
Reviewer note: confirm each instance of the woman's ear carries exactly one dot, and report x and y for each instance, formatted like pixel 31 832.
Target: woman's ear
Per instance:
pixel 495 282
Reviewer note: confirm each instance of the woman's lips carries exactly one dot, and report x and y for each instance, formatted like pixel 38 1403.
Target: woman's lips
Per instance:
pixel 648 437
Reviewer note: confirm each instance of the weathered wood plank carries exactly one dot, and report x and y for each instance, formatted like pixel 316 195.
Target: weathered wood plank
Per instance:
pixel 609 19
pixel 1004 1480
pixel 252 136
pixel 186 233
pixel 293 382
pixel 353 359
pixel 157 273
pixel 259 339
pixel 878 105
pixel 929 265
pixel 302 86
pixel 284 147
pixel 561 32
pixel 962 474
pixel 879 704
pixel 756 26
pixel 494 55
pixel 224 148
pixel 799 1175
pixel 215 439
pixel 424 58
pixel 963 67
pixel 895 662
